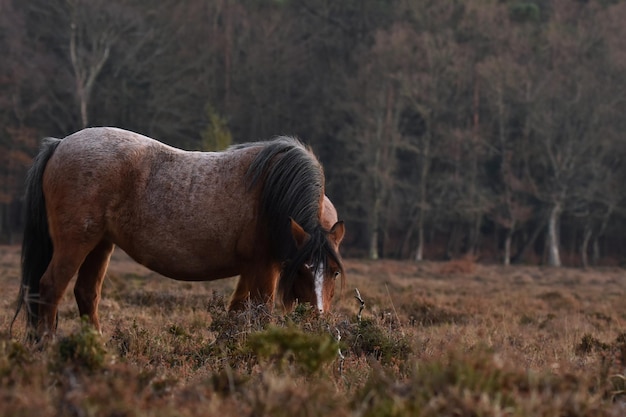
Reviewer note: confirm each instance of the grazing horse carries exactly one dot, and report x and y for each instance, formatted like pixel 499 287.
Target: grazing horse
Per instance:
pixel 256 210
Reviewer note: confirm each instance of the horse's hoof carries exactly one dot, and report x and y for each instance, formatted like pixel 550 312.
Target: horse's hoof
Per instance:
pixel 42 342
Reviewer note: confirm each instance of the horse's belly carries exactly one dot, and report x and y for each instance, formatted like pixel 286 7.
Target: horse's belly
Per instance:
pixel 189 274
pixel 188 247
pixel 185 265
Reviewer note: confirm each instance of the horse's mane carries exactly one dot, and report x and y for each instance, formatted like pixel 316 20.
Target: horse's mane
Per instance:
pixel 292 188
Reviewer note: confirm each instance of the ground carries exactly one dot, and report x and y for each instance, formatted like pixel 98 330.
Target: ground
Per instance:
pixel 434 339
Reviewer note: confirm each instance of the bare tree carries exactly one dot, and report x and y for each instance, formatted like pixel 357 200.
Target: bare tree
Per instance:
pixel 569 115
pixel 503 73
pixel 95 28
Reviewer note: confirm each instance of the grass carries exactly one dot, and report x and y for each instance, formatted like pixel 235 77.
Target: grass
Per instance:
pixel 485 341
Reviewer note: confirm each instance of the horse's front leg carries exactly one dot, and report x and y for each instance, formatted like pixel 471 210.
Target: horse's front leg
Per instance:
pixel 256 286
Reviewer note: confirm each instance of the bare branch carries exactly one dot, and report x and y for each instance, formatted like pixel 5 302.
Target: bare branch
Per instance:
pixel 358 297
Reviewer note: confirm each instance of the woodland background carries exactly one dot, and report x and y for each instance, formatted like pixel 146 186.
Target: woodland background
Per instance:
pixel 493 129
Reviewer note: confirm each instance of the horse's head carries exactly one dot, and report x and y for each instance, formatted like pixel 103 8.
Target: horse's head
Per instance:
pixel 293 187
pixel 320 262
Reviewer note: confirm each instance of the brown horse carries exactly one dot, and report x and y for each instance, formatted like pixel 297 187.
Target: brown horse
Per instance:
pixel 256 210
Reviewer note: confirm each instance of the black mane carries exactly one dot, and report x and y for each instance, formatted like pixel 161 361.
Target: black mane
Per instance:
pixel 292 188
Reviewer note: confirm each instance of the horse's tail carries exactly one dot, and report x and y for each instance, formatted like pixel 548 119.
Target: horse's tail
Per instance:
pixel 36 244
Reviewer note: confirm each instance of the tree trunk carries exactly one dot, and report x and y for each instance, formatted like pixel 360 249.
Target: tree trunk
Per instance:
pixel 384 153
pixel 374 245
pixel 474 235
pixel 377 185
pixel 82 97
pixel 86 71
pixel 585 246
pixel 554 258
pixel 2 218
pixel 419 253
pixel 530 242
pixel 375 217
pixel 228 53
pixel 474 230
pixel 595 254
pixel 507 245
pixel 454 242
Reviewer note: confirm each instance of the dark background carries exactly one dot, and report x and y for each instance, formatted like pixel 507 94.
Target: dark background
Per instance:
pixel 493 129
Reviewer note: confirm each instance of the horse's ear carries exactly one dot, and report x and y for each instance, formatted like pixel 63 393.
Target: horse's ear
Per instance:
pixel 300 236
pixel 337 232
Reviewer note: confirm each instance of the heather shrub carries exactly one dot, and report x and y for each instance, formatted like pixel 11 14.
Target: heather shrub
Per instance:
pixel 308 352
pixel 369 338
pixel 82 349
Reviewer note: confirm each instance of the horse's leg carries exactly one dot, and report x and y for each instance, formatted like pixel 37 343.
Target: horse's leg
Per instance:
pixel 89 281
pixel 241 295
pixel 257 285
pixel 63 266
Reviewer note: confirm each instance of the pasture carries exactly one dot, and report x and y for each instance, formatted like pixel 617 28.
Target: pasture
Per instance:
pixel 434 339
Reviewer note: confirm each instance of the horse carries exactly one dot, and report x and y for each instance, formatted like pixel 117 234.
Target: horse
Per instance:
pixel 257 210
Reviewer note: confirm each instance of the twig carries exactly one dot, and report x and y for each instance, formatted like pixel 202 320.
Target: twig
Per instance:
pixel 358 297
pixel 393 307
pixel 341 355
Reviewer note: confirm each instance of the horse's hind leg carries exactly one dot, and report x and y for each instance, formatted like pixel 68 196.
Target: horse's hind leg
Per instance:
pixel 89 282
pixel 63 266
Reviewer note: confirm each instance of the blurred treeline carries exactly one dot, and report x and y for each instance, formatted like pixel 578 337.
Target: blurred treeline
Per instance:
pixel 493 128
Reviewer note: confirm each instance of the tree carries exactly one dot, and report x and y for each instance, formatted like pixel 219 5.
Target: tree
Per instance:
pixel 17 139
pixel 443 125
pixel 96 29
pixel 216 136
pixel 503 73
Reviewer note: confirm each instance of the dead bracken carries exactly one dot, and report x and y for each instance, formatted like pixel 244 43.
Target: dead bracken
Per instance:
pixel 415 343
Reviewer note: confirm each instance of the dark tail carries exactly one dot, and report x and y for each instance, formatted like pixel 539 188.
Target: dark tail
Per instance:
pixel 36 244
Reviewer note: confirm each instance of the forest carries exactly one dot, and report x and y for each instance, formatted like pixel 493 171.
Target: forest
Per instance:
pixel 491 129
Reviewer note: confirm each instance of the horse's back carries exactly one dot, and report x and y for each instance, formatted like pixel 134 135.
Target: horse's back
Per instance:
pixel 107 144
pixel 101 157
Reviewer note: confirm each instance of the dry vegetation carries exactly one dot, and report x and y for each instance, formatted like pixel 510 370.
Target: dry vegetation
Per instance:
pixel 433 341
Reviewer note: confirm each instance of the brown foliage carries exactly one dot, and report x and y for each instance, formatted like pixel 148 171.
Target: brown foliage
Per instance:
pixel 531 341
pixel 463 265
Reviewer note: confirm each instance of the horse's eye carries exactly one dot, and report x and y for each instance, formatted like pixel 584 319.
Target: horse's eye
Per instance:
pixel 337 274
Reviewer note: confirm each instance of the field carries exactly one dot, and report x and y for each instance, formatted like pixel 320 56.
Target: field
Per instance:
pixel 434 339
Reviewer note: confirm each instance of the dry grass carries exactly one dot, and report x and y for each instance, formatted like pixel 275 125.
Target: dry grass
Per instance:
pixel 488 341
